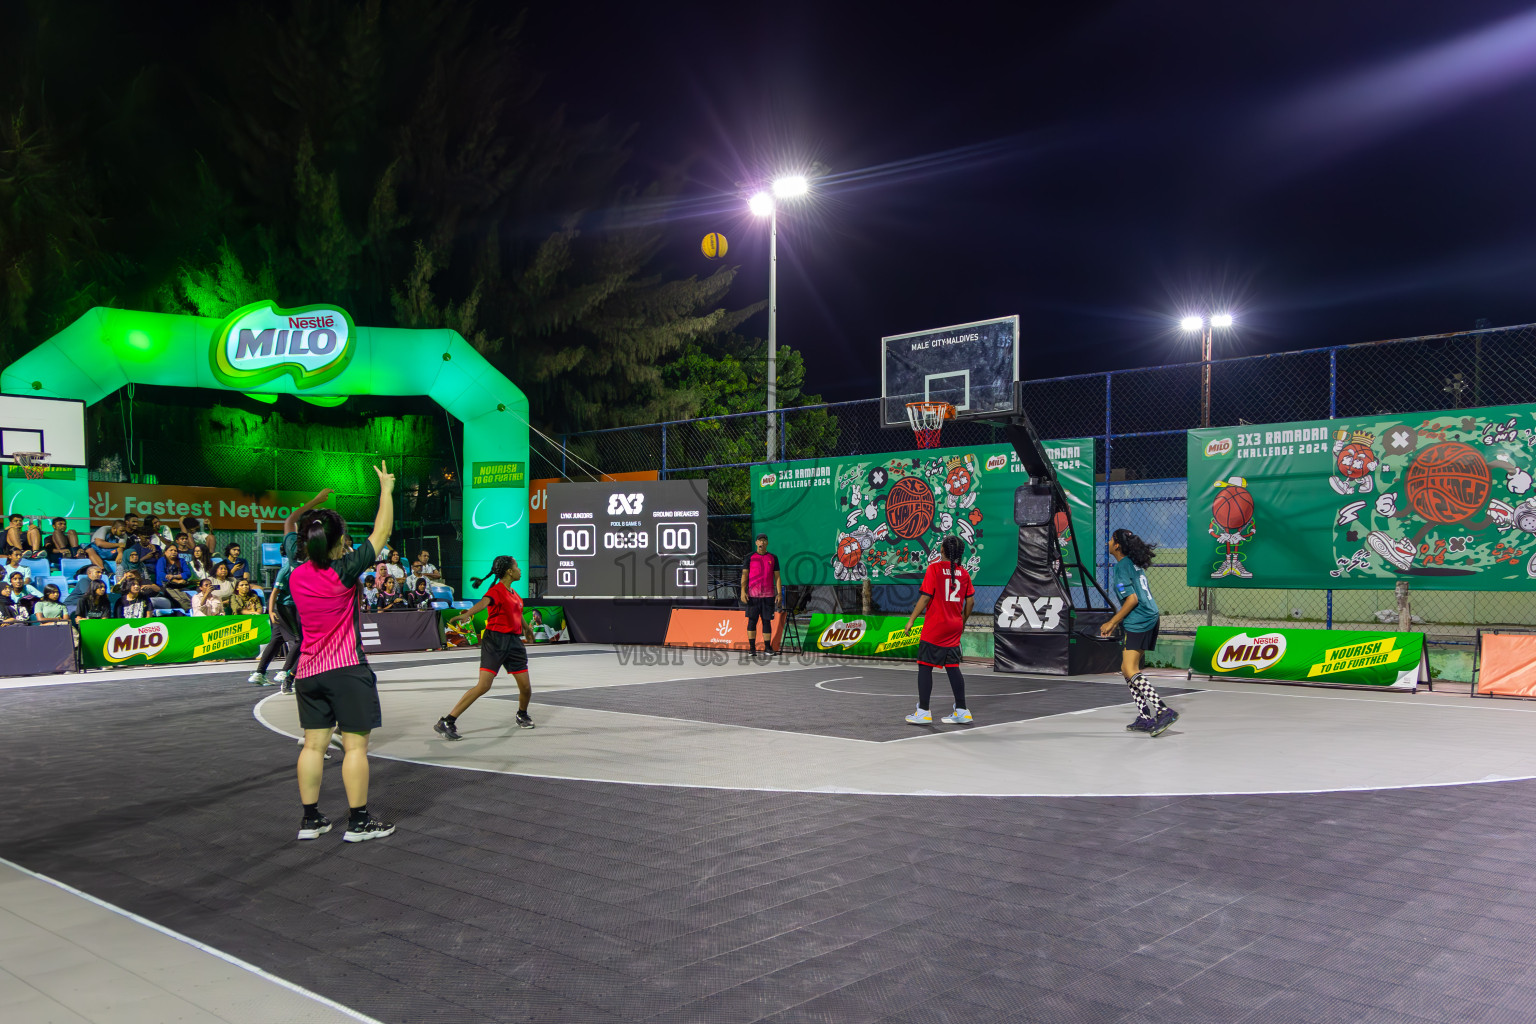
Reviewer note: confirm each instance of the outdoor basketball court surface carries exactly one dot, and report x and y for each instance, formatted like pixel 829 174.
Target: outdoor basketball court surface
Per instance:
pixel 680 841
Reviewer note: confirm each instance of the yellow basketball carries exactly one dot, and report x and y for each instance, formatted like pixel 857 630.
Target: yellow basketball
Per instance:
pixel 715 245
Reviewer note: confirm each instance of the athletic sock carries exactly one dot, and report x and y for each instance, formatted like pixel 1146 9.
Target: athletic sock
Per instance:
pixel 752 646
pixel 360 813
pixel 312 810
pixel 924 686
pixel 957 684
pixel 1146 696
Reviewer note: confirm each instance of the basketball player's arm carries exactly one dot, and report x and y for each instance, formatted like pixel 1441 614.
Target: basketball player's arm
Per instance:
pixel 470 613
pixel 778 586
pixel 744 581
pixel 384 522
pixel 1126 607
pixel 918 609
pixel 291 524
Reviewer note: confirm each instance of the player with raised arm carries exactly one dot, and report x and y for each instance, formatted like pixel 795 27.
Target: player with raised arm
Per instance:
pixel 945 602
pixel 336 688
pixel 1139 613
pixel 285 628
pixel 501 644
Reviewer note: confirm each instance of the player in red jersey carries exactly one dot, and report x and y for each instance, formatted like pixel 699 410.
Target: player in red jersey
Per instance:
pixel 501 645
pixel 947 597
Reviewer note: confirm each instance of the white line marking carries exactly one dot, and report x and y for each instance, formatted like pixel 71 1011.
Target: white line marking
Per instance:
pixel 868 693
pixel 210 950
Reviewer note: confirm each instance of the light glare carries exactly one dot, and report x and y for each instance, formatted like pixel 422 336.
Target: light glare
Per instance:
pixel 1192 323
pixel 1221 320
pixel 761 204
pixel 791 186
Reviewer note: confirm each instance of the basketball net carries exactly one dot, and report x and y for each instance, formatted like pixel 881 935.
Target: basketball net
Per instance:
pixel 33 464
pixel 927 419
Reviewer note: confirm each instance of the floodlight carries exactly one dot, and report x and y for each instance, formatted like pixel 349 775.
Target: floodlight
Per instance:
pixel 791 186
pixel 761 204
pixel 1221 320
pixel 1192 323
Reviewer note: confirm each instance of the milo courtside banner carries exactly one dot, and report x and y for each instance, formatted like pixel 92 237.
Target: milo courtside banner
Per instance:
pixel 173 639
pixel 1443 499
pixel 863 636
pixel 882 517
pixel 1323 657
pixel 545 621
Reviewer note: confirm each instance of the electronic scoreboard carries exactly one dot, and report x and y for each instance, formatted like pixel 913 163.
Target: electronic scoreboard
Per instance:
pixel 629 538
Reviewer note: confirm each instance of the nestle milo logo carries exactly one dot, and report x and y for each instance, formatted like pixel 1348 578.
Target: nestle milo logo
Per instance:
pixel 997 461
pixel 1244 651
pixel 259 342
pixel 768 480
pixel 129 640
pixel 1220 446
pixel 842 634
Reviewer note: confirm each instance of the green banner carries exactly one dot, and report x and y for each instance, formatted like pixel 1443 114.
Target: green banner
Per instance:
pixel 1443 499
pixel 882 517
pixel 864 636
pixel 172 639
pixel 1323 657
pixel 546 620
pixel 499 474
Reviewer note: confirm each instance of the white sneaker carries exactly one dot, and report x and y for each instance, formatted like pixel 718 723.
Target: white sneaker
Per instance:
pixel 921 717
pixel 259 678
pixel 279 677
pixel 959 716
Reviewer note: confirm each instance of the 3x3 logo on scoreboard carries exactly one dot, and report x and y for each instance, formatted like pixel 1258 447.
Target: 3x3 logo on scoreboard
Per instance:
pixel 637 538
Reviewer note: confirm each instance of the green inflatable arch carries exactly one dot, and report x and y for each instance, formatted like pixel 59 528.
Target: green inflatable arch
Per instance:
pixel 317 353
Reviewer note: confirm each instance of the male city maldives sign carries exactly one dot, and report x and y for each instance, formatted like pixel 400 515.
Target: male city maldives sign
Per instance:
pixel 314 352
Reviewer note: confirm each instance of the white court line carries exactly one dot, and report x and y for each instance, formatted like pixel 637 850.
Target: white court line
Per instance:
pixel 195 944
pixel 867 693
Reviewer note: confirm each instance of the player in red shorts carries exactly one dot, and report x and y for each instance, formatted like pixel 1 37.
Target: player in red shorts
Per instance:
pixel 947 598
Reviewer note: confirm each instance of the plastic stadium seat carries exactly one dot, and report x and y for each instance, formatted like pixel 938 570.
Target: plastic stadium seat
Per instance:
pixel 271 554
pixel 38 567
pixel 463 604
pixel 441 593
pixel 70 566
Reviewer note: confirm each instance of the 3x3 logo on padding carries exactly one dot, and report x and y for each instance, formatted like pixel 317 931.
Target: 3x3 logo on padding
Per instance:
pixel 625 504
pixel 1029 612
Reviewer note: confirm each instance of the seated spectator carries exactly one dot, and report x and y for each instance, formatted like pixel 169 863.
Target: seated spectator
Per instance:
pixel 239 568
pixel 13 565
pixel 370 593
pixel 110 541
pixel 419 596
pixel 245 601
pixel 205 601
pixel 22 592
pixel 163 535
pixel 200 562
pixel 434 576
pixel 28 540
pixel 193 528
pixel 223 586
pixel 131 577
pixel 82 588
pixel 11 613
pixel 390 598
pixel 64 543
pixel 174 577
pixel 134 603
pixel 97 604
pixel 50 609
pixel 142 552
pixel 393 566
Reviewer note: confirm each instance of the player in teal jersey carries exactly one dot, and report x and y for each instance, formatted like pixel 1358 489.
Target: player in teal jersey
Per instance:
pixel 1138 611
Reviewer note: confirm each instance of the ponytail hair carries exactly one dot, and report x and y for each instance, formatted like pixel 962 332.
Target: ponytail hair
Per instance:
pixel 952 548
pixel 1137 550
pixel 319 530
pixel 499 567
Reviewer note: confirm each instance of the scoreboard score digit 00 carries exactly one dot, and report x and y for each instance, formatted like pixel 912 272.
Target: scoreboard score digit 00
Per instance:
pixel 629 538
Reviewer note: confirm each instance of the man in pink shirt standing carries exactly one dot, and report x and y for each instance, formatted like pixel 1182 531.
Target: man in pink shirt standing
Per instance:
pixel 761 593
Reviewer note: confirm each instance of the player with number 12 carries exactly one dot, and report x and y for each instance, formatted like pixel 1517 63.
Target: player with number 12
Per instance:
pixel 945 602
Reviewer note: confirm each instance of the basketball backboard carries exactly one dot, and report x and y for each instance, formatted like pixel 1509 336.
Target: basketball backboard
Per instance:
pixel 52 425
pixel 971 366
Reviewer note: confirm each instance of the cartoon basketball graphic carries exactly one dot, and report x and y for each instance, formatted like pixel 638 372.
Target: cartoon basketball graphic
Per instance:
pixel 1063 524
pixel 958 481
pixel 1447 482
pixel 1353 460
pixel 1233 507
pixel 909 508
pixel 848 551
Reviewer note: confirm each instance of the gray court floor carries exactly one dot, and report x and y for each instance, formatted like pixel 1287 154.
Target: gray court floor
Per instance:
pixel 510 897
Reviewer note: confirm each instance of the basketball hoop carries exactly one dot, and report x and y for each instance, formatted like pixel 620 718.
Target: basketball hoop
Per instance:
pixel 33 464
pixel 927 419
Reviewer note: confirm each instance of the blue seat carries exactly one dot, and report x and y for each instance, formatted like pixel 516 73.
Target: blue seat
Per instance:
pixel 441 593
pixel 271 554
pixel 463 604
pixel 71 566
pixel 38 567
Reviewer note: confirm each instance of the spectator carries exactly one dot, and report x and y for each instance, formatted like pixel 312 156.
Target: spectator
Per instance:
pixel 134 603
pixel 110 542
pixel 420 596
pixel 130 577
pixel 162 534
pixel 11 613
pixel 193 528
pixel 142 552
pixel 245 601
pixel 13 565
pixel 22 592
pixel 223 586
pixel 390 598
pixel 239 568
pixel 174 577
pixel 82 588
pixel 23 538
pixel 432 573
pixel 394 568
pixel 200 562
pixel 49 609
pixel 64 543
pixel 206 602
pixel 95 604
pixel 370 593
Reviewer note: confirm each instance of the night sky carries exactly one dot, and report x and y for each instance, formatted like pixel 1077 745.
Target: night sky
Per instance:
pixel 1332 172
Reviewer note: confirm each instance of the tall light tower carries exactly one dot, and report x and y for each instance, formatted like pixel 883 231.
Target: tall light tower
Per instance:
pixel 1205 325
pixel 764 204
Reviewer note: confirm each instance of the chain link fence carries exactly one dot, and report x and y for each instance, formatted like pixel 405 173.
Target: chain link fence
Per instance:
pixel 1139 418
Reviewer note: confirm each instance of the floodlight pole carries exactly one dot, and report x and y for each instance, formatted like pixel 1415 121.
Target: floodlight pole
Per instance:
pixel 1205 373
pixel 773 331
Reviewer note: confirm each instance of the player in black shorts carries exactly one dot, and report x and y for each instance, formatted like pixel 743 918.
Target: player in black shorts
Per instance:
pixel 762 593
pixel 501 644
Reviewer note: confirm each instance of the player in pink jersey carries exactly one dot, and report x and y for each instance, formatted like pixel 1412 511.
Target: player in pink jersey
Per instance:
pixel 336 688
pixel 947 598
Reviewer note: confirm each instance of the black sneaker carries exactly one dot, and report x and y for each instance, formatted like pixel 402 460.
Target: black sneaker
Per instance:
pixel 1142 724
pixel 286 686
pixel 314 828
pixel 523 721
pixel 1165 718
pixel 369 828
pixel 446 729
